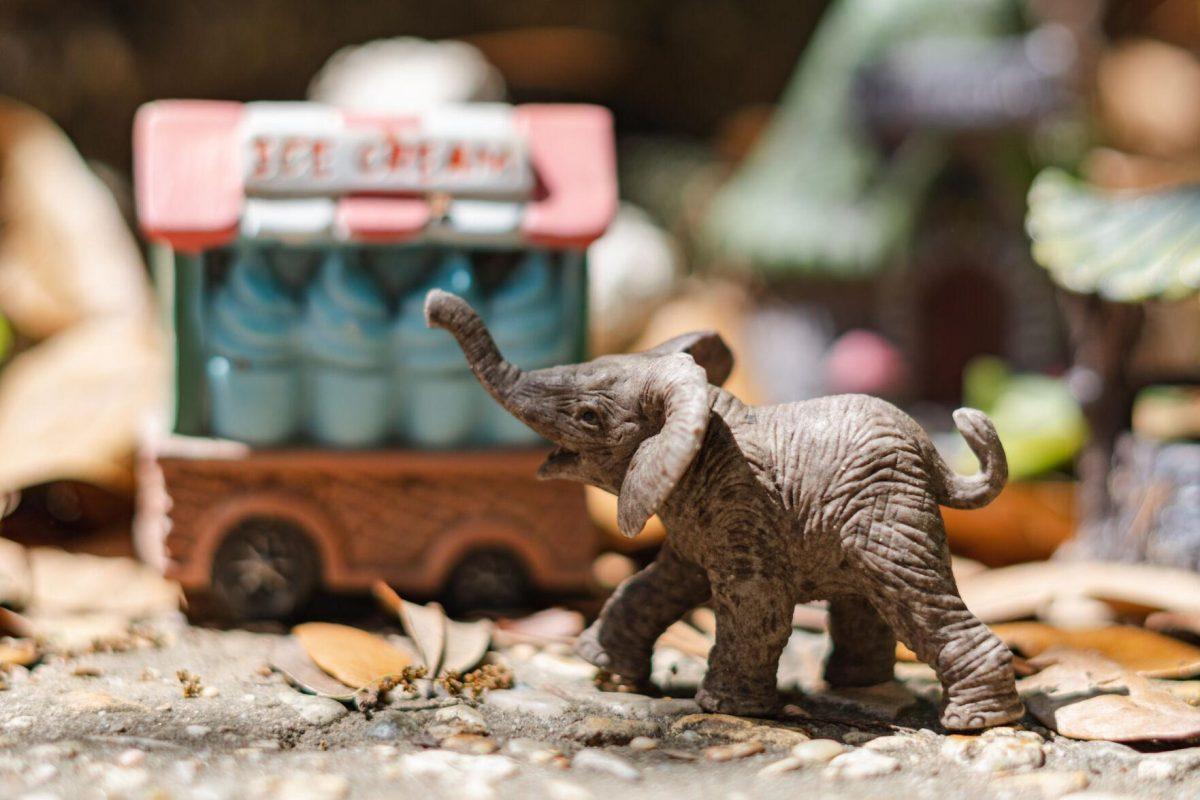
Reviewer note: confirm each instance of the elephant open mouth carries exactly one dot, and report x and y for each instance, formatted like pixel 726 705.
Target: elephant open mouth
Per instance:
pixel 559 461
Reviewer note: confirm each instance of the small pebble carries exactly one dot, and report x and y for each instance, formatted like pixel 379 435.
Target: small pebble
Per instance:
pixel 21 723
pixel 471 743
pixel 642 743
pixel 210 691
pixel 565 790
pixel 858 764
pixel 132 757
pixel 781 766
pixel 1158 769
pixel 601 761
pixel 729 752
pixel 818 751
pixel 196 731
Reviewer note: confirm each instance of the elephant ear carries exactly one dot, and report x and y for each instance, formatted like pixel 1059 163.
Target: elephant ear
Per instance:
pixel 677 392
pixel 706 348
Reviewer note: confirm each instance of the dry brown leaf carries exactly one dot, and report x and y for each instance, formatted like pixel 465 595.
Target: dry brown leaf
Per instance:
pixel 425 625
pixel 466 645
pixel 72 406
pixel 557 625
pixel 1017 592
pixel 66 254
pixel 68 583
pixel 354 657
pixel 289 658
pixel 1145 652
pixel 1085 696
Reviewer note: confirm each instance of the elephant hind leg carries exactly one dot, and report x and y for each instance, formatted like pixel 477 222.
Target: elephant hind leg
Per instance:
pixel 864 645
pixel 906 569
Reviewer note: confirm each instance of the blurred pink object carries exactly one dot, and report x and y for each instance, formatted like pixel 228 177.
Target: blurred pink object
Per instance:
pixel 863 362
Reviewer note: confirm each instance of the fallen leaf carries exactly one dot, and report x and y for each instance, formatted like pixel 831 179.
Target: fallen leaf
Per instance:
pixel 1145 652
pixel 425 625
pixel 354 657
pixel 1086 696
pixel 551 625
pixel 289 658
pixel 1018 592
pixel 72 583
pixel 466 645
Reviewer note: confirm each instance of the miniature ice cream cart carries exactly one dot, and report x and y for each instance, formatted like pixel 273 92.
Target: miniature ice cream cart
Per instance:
pixel 320 436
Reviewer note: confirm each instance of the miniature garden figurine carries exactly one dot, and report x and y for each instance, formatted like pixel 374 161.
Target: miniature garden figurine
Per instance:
pixel 834 498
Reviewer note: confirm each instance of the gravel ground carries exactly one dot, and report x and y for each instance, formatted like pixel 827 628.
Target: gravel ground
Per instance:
pixel 118 725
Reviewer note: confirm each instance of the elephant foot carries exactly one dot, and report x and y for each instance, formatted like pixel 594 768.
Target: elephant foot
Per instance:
pixel 852 673
pixel 625 669
pixel 738 705
pixel 982 713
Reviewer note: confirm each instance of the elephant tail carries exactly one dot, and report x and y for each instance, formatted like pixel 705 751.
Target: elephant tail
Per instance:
pixel 972 491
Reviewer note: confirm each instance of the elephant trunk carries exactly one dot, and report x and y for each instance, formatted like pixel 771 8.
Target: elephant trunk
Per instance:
pixel 498 376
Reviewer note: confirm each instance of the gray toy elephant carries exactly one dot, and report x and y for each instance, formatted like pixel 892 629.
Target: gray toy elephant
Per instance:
pixel 765 507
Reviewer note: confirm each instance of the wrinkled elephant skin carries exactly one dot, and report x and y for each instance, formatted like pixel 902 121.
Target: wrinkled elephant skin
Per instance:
pixel 834 498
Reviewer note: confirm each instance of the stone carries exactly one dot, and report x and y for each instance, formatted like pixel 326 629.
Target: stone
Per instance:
pixel 859 764
pixel 531 702
pixel 729 752
pixel 997 753
pixel 729 728
pixel 643 744
pixel 468 775
pixel 523 748
pixel 592 758
pixel 789 764
pixel 462 717
pixel 1158 769
pixel 891 744
pixel 817 751
pixel 197 731
pixel 132 757
pixel 472 743
pixel 314 710
pixel 1047 784
pixel 123 781
pixel 392 725
pixel 607 730
pixel 565 790
pixel 303 786
pixel 89 702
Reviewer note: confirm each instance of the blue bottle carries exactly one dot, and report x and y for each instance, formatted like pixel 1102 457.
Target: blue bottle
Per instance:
pixel 525 316
pixel 253 376
pixel 437 399
pixel 344 338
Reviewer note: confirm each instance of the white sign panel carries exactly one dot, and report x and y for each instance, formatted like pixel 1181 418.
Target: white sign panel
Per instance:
pixel 308 150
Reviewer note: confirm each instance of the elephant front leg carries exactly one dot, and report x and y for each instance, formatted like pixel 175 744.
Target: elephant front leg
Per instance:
pixel 754 622
pixel 622 639
pixel 864 646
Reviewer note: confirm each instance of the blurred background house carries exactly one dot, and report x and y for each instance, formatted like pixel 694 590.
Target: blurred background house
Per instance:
pixel 840 187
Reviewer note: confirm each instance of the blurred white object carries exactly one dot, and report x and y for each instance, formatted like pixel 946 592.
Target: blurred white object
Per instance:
pixel 406 74
pixel 632 270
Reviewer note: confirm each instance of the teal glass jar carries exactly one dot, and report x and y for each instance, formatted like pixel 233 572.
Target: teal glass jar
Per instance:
pixel 437 399
pixel 252 369
pixel 525 316
pixel 344 338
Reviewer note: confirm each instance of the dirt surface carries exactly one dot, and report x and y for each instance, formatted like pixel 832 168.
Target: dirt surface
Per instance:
pixel 118 725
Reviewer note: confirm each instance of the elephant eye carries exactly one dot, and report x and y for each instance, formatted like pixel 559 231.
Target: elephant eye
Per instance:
pixel 589 417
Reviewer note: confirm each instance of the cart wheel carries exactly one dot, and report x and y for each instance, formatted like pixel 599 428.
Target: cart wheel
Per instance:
pixel 265 568
pixel 488 579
